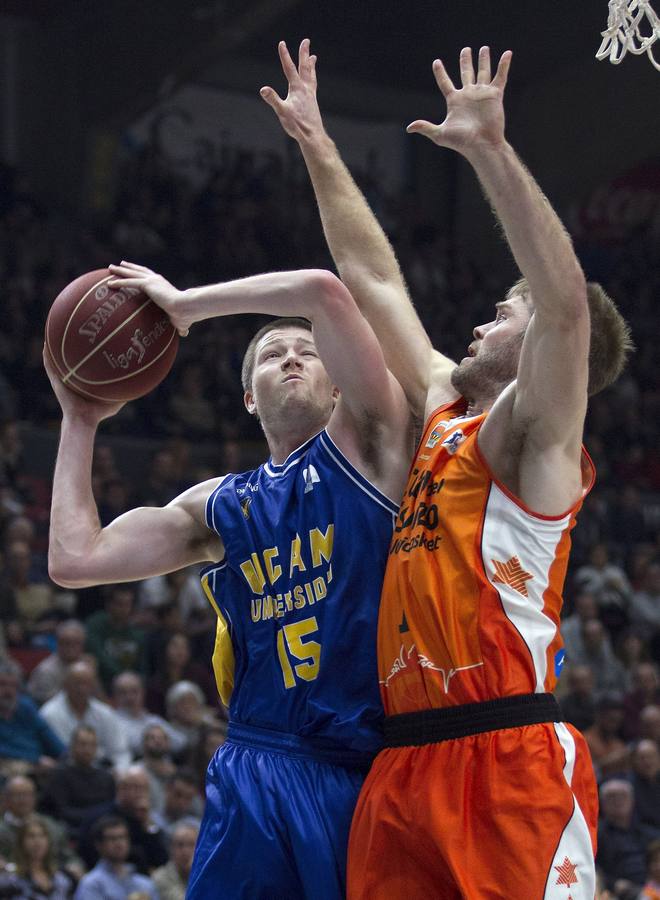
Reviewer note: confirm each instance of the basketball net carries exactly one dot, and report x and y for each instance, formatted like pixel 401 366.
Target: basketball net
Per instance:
pixel 625 21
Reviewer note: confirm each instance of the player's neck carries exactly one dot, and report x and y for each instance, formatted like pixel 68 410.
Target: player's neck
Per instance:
pixel 282 445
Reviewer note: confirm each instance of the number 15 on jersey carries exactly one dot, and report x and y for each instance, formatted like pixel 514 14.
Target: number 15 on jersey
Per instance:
pixel 291 646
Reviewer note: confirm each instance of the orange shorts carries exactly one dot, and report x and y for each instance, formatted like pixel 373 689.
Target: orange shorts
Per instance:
pixel 502 814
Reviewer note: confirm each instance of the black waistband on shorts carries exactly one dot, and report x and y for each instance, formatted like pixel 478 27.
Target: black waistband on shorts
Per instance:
pixel 430 726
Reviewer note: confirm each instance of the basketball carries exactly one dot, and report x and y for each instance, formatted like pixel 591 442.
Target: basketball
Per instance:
pixel 109 344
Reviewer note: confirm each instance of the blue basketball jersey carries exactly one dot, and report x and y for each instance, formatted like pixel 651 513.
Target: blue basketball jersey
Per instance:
pixel 297 597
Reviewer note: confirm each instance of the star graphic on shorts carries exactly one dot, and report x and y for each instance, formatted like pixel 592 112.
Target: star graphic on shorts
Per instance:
pixel 513 574
pixel 567 874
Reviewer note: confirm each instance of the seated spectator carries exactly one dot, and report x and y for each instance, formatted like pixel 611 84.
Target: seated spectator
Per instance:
pixel 128 698
pixel 78 785
pixel 113 877
pixel 645 691
pixel 148 841
pixel 36 875
pixel 187 713
pixel 171 880
pixel 609 752
pixel 645 760
pixel 651 890
pixel 182 801
pixel 594 649
pixel 157 763
pixel 649 723
pixel 75 705
pixel 166 622
pixel 114 642
pixel 19 800
pixel 585 608
pixel 621 842
pixel 177 666
pixel 645 603
pixel 47 677
pixel 211 736
pixel 578 703
pixel 35 598
pixel 26 739
pixel 631 650
pixel 610 585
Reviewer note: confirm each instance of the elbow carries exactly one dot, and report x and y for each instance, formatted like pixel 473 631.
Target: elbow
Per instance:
pixel 329 295
pixel 64 573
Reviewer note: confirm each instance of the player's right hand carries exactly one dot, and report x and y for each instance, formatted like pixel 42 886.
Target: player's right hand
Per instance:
pixel 157 288
pixel 299 113
pixel 75 405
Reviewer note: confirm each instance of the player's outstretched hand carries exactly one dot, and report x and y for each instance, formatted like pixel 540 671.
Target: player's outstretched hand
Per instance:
pixel 475 111
pixel 156 287
pixel 299 114
pixel 74 405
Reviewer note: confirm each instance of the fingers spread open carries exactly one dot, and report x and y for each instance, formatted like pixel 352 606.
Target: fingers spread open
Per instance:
pixel 287 63
pixel 271 97
pixel 483 74
pixel 443 80
pixel 503 69
pixel 420 126
pixel 467 68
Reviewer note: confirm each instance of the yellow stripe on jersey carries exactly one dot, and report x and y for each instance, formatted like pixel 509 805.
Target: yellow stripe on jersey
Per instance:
pixel 223 651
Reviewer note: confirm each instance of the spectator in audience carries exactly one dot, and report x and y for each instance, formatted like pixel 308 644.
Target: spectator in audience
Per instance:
pixel 651 890
pixel 578 703
pixel 78 785
pixel 36 875
pixel 114 642
pixel 171 880
pixel 157 763
pixel 610 585
pixel 35 599
pixel 631 649
pixel 609 752
pixel 166 622
pixel 186 712
pixel 148 842
pixel 177 666
pixel 621 841
pixel 585 608
pixel 649 722
pixel 645 691
pixel 113 877
pixel 128 698
pixel 26 739
pixel 47 677
pixel 596 652
pixel 75 705
pixel 645 759
pixel 182 801
pixel 645 603
pixel 19 800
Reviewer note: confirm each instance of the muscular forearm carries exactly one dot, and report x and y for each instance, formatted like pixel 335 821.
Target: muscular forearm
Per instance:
pixel 74 520
pixel 539 242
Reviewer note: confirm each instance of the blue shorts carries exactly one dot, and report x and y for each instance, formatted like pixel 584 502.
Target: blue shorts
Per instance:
pixel 276 822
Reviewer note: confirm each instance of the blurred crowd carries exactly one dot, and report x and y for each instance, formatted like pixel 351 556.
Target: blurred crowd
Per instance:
pixel 108 710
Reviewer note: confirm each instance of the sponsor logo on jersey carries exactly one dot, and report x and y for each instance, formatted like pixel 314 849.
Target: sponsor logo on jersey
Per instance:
pixel 567 874
pixel 454 441
pixel 560 659
pixel 311 477
pixel 512 574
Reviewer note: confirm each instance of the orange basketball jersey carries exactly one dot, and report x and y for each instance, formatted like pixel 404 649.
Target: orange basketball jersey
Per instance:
pixel 472 593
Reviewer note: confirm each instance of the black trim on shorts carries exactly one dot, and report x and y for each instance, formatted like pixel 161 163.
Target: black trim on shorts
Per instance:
pixel 431 726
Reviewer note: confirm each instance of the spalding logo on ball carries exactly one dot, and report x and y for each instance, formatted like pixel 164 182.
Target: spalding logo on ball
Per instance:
pixel 106 343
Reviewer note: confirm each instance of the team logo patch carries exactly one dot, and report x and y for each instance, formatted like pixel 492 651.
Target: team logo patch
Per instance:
pixel 311 477
pixel 513 574
pixel 454 441
pixel 560 659
pixel 245 507
pixel 435 436
pixel 567 874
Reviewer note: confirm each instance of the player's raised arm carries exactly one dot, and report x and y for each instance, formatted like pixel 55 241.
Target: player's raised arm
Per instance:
pixel 551 388
pixel 344 339
pixel 362 253
pixel 141 543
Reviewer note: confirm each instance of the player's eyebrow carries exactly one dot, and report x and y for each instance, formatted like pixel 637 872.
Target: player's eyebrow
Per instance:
pixel 503 305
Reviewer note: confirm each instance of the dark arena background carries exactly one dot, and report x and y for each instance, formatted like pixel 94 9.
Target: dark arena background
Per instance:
pixel 135 131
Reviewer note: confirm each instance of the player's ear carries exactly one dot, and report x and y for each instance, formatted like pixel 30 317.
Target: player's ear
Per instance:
pixel 335 395
pixel 250 402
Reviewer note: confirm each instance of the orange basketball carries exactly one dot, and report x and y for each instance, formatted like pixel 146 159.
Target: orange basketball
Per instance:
pixel 106 343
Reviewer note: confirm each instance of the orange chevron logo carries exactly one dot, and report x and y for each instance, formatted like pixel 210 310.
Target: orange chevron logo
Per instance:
pixel 513 574
pixel 567 874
